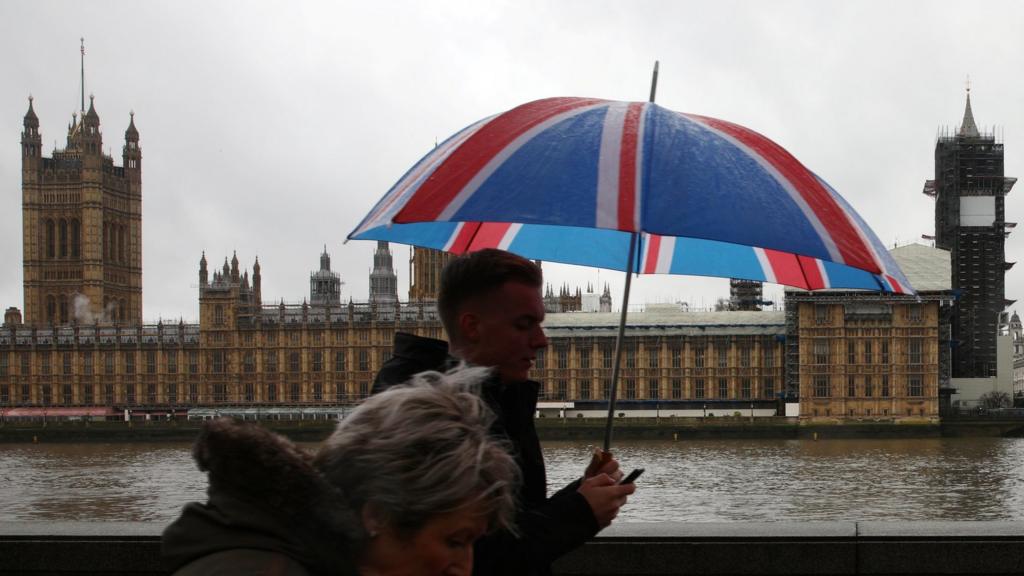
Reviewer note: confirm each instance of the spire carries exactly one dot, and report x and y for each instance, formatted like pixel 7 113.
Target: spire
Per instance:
pixel 31 120
pixel 325 259
pixel 132 133
pixel 968 128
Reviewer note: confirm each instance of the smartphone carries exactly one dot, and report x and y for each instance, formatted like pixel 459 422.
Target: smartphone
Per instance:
pixel 632 476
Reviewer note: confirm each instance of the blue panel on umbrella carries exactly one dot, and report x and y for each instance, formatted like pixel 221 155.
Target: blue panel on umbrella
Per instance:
pixel 545 181
pixel 704 186
pixel 426 234
pixel 570 245
pixel 709 258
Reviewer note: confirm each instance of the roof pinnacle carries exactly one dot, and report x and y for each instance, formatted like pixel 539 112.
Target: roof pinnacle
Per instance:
pixel 968 128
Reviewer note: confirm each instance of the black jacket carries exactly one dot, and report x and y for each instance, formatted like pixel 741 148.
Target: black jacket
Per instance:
pixel 548 527
pixel 269 512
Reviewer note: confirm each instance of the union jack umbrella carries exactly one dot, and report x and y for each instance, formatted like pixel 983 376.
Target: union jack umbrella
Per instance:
pixel 633 186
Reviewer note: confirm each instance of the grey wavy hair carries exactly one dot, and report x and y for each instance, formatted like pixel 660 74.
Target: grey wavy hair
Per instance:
pixel 422 449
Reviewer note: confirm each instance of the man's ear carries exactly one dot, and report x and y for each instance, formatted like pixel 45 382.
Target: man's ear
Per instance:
pixel 469 326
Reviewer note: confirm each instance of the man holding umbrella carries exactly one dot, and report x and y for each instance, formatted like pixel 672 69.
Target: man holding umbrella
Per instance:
pixel 490 305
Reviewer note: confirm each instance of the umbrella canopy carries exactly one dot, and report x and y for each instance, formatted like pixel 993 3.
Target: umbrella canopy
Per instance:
pixel 572 179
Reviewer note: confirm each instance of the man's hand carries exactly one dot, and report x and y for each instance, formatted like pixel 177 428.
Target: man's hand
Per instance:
pixel 602 462
pixel 605 497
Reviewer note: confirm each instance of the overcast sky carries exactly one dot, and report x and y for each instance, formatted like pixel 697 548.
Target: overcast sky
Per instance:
pixel 272 128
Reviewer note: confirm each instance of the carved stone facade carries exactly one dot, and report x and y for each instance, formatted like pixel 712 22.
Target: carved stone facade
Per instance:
pixel 82 226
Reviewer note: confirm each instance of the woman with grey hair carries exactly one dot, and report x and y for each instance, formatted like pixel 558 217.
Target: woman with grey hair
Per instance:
pixel 405 485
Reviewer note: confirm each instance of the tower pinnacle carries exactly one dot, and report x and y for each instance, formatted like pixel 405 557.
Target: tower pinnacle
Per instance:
pixel 968 128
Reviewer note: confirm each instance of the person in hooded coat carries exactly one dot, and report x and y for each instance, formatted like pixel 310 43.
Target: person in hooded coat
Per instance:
pixel 405 485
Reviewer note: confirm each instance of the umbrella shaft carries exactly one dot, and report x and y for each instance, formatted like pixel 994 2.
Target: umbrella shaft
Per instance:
pixel 613 390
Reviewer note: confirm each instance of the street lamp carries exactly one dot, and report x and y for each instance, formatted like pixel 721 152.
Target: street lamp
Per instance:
pixel 705 410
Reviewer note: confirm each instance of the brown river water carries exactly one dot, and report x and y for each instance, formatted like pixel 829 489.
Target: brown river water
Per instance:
pixel 693 481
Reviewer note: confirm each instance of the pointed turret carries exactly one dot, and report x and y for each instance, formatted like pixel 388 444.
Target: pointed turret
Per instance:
pixel 31 141
pixel 325 259
pixel 203 275
pixel 968 128
pixel 234 268
pixel 257 296
pixel 132 154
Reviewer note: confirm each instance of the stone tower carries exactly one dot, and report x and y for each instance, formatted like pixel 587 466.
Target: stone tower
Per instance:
pixel 425 265
pixel 970 221
pixel 324 285
pixel 82 225
pixel 383 280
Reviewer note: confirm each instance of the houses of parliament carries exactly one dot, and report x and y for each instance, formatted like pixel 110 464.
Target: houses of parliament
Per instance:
pixel 80 346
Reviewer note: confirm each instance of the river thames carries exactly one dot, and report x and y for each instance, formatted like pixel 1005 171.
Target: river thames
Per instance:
pixel 694 481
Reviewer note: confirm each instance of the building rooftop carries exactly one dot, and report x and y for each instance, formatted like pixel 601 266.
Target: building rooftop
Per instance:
pixel 666 321
pixel 927 269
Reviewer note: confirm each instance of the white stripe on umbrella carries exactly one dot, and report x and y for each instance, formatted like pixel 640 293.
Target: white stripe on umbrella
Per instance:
pixel 666 250
pixel 607 215
pixel 812 218
pixel 766 265
pixel 826 282
pixel 504 154
pixel 509 236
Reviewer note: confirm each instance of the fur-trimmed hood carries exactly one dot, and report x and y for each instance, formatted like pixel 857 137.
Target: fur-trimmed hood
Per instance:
pixel 264 494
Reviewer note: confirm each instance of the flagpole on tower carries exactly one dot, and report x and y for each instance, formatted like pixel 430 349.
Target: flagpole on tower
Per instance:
pixel 83 75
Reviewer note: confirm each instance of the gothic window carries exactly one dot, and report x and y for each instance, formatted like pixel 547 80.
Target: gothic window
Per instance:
pixel 698 357
pixel 318 391
pixel 76 238
pixel 193 362
pixel 62 235
pixel 584 389
pixel 563 357
pixel 851 352
pixel 584 357
pixel 3 363
pixel 129 362
pixel 364 359
pixel 630 389
pixel 885 351
pixel 723 355
pixel 677 356
pixel 66 361
pixel 745 356
pixel 769 386
pixel 318 361
pixel 698 388
pixel 820 314
pixel 150 361
pixel 538 363
pixel 51 309
pixel 630 356
pixel 270 361
pixel 869 352
pixel 821 351
pixel 218 315
pixel 915 386
pixel 249 362
pixel 561 389
pixel 339 360
pixel 87 363
pixel 769 356
pixel 869 386
pixel 67 395
pixel 745 388
pixel 44 363
pixel 607 354
pixel 293 393
pixel 652 389
pixel 172 361
pixel 271 393
pixel 723 388
pixel 293 361
pixel 914 347
pixel 50 239
pixel 821 387
pixel 851 386
pixel 677 388
pixel 652 357
pixel 914 313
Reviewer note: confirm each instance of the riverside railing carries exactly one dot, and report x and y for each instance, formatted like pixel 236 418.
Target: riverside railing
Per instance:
pixel 635 549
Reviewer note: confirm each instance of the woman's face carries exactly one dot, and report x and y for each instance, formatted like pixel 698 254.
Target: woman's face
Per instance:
pixel 442 547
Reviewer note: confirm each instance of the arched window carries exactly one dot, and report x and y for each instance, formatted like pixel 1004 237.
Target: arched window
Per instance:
pixel 51 309
pixel 62 229
pixel 218 315
pixel 76 238
pixel 50 251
